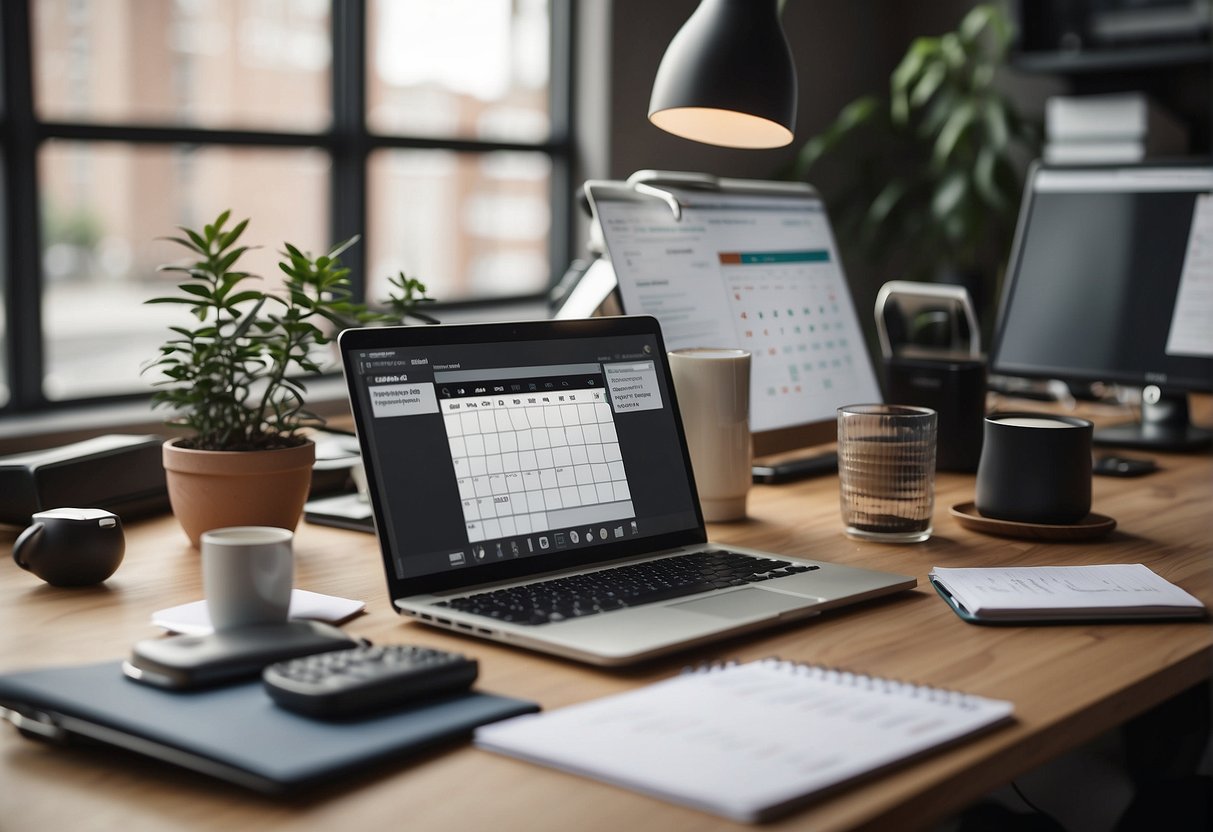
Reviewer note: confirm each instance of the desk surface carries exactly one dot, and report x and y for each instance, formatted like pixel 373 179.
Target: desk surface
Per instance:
pixel 1068 683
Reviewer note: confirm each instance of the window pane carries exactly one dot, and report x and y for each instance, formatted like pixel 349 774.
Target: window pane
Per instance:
pixel 104 207
pixel 260 64
pixel 471 69
pixel 464 224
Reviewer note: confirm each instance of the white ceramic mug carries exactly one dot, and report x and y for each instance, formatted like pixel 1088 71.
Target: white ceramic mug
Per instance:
pixel 247 575
pixel 713 389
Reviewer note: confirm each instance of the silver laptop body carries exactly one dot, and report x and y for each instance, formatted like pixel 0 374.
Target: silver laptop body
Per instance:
pixel 500 455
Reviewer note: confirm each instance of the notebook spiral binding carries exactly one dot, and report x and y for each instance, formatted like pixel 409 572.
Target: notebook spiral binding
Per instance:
pixel 850 678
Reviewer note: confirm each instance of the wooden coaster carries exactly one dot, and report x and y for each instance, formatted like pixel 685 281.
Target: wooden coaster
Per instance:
pixel 1089 528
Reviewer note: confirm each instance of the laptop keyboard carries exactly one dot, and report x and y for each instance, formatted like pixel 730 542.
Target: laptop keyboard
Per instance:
pixel 624 586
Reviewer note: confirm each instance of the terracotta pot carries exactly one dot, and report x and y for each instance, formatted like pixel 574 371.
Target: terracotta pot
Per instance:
pixel 215 489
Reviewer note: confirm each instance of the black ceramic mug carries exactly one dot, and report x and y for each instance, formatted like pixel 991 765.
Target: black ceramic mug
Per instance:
pixel 71 546
pixel 1035 468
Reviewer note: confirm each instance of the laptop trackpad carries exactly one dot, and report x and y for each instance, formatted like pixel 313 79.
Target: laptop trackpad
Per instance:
pixel 744 603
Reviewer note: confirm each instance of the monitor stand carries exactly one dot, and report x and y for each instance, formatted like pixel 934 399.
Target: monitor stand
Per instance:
pixel 1164 426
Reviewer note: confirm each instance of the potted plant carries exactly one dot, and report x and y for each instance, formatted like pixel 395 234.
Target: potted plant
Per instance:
pixel 936 180
pixel 232 379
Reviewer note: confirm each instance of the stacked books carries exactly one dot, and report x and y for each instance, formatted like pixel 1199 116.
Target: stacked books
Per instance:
pixel 1110 129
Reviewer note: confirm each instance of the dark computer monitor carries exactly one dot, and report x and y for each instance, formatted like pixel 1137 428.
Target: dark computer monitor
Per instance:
pixel 1111 280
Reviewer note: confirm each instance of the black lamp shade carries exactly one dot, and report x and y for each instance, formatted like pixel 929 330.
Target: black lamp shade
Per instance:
pixel 727 77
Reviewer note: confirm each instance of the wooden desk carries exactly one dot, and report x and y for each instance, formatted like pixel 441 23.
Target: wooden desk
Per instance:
pixel 1069 684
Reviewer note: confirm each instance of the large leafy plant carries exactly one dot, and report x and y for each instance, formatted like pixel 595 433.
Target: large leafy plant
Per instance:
pixel 234 378
pixel 935 181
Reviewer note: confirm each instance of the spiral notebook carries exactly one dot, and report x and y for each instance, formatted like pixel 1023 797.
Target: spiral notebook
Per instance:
pixel 746 741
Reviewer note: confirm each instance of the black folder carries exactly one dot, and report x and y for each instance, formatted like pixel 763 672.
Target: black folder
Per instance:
pixel 235 733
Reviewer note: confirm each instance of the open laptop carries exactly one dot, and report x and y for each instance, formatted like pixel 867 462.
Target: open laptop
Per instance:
pixel 752 265
pixel 531 484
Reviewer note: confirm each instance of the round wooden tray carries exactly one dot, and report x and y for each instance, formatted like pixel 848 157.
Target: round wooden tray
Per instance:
pixel 1089 528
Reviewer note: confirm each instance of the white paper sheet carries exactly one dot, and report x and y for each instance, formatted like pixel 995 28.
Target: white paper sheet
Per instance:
pixel 193 619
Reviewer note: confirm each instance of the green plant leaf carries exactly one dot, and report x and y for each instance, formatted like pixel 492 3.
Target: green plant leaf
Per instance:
pixel 196 289
pixel 998 133
pixel 248 320
pixel 190 301
pixel 243 297
pixel 984 179
pixel 936 113
pixel 948 196
pixel 887 201
pixel 953 51
pixel 911 65
pixel 226 262
pixel 181 242
pixel 976 21
pixel 1000 27
pixel 198 242
pixel 930 82
pixel 951 133
pixel 232 236
pixel 342 247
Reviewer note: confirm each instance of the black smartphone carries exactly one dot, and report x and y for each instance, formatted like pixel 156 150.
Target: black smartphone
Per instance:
pixel 190 662
pixel 797 468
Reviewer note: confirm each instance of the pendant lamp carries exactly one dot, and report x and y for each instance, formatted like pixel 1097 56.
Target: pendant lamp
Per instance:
pixel 727 77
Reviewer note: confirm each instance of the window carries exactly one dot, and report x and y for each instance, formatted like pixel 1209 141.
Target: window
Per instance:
pixel 435 130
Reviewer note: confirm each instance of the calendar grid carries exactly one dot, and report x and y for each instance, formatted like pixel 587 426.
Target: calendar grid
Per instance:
pixel 787 313
pixel 528 463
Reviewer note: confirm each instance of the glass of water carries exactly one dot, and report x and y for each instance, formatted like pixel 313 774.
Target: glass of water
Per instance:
pixel 886 471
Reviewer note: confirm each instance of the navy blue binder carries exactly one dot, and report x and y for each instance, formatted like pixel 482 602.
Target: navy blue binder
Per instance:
pixel 235 733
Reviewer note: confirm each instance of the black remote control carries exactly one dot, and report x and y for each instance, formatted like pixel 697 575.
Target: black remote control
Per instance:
pixel 361 680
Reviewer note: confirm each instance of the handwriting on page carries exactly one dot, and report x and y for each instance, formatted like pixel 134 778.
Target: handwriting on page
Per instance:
pixel 1061 587
pixel 1052 583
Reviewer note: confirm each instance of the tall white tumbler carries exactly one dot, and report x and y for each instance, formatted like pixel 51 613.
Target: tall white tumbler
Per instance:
pixel 713 389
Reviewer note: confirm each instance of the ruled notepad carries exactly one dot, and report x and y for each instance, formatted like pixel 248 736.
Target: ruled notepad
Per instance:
pixel 746 741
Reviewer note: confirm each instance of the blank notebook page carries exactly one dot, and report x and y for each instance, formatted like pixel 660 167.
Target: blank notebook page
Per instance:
pixel 745 741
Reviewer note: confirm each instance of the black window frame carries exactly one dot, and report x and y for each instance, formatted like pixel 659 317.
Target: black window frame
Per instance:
pixel 348 141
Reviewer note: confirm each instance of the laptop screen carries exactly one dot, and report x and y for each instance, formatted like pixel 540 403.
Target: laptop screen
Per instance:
pixel 754 271
pixel 509 449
